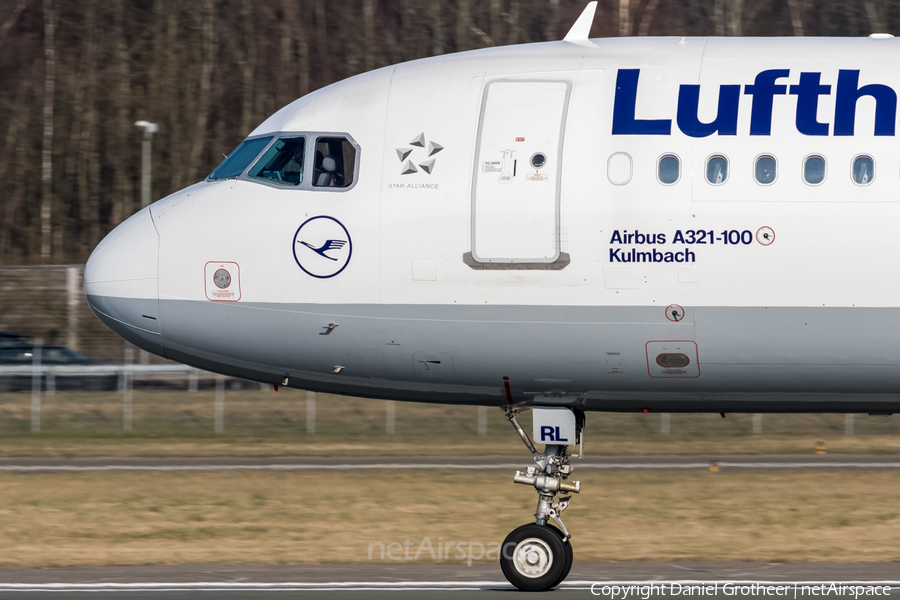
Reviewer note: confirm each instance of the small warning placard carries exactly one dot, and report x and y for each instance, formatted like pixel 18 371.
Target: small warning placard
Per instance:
pixel 222 281
pixel 536 177
pixel 491 166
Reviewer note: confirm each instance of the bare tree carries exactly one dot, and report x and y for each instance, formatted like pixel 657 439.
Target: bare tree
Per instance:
pixel 322 42
pixel 7 25
pixel 208 53
pixel 88 152
pixel 123 202
pixel 796 17
pixel 513 21
pixel 437 28
pixel 496 21
pixel 47 146
pixel 624 18
pixel 303 70
pixel 463 19
pixel 875 23
pixel 647 18
pixel 369 32
pixel 12 151
pixel 551 30
pixel 247 62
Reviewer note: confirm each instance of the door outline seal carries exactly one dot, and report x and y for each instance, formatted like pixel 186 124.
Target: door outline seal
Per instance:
pixel 562 259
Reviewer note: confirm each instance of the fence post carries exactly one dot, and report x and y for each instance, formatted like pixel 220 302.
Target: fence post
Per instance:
pixel 310 412
pixel 220 403
pixel 73 287
pixel 126 389
pixel 36 384
pixel 192 381
pixel 757 423
pixel 848 424
pixel 665 426
pixel 390 421
pixel 482 420
pixel 50 384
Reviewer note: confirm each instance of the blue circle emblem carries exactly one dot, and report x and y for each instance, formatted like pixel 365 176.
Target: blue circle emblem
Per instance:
pixel 322 247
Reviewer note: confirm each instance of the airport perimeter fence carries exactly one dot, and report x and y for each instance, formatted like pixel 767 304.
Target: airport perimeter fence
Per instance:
pixel 46 305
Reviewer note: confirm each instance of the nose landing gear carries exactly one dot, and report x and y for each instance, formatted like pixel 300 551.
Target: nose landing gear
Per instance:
pixel 537 556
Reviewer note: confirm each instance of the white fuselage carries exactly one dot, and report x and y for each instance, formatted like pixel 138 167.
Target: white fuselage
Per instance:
pixel 552 223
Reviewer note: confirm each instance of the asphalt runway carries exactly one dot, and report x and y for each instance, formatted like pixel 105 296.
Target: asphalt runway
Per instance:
pixel 377 581
pixel 781 462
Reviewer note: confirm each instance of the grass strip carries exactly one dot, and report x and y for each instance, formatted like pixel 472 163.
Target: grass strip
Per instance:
pixel 278 518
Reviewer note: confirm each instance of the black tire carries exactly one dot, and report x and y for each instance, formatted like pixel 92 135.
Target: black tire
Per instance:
pixel 569 558
pixel 544 546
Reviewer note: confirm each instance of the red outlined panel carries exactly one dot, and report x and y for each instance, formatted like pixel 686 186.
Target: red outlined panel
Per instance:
pixel 222 281
pixel 673 359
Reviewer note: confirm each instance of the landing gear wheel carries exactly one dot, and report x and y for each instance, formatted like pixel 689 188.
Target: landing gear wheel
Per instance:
pixel 569 558
pixel 534 558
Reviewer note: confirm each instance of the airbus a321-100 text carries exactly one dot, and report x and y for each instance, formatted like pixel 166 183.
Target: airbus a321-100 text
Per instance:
pixel 656 224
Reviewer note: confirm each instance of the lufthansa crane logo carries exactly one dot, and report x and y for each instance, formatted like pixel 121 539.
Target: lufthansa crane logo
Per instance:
pixel 410 157
pixel 322 247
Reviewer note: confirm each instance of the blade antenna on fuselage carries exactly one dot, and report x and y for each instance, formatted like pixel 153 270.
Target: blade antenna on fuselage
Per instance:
pixel 580 31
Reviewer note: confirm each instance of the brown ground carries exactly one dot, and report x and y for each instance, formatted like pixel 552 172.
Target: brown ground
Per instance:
pixel 259 517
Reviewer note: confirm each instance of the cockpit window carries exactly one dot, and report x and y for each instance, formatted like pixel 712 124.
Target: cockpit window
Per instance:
pixel 238 160
pixel 282 163
pixel 335 161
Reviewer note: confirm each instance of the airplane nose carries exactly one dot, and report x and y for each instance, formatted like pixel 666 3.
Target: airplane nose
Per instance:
pixel 120 282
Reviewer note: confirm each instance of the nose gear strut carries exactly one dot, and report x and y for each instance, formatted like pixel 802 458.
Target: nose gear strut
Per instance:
pixel 549 477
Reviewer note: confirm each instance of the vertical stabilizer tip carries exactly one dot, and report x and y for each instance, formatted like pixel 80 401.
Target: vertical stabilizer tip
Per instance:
pixel 582 27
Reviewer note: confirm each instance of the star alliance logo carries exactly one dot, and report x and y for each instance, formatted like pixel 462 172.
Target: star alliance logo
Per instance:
pixel 406 156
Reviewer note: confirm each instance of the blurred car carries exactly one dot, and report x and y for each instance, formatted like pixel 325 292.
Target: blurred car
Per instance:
pixel 16 351
pixel 12 339
pixel 50 355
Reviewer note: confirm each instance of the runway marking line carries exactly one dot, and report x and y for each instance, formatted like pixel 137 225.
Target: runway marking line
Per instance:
pixel 386 586
pixel 423 466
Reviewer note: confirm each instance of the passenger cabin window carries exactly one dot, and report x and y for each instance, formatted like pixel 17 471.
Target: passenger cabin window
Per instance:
pixel 717 169
pixel 240 158
pixel 282 163
pixel 765 169
pixel 863 170
pixel 335 162
pixel 669 169
pixel 618 168
pixel 814 169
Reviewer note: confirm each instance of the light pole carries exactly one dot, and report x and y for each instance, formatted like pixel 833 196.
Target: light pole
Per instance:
pixel 149 129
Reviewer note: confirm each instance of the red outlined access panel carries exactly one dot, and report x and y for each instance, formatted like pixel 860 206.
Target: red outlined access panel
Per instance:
pixel 675 359
pixel 222 281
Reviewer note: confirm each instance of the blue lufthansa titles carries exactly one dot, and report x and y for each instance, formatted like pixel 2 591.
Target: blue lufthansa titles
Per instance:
pixel 763 91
